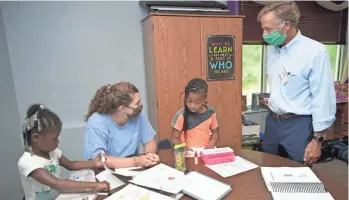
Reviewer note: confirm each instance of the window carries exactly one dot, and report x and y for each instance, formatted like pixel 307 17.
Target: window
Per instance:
pixel 334 51
pixel 251 70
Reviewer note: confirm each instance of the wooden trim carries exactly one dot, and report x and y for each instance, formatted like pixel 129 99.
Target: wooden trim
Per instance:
pixel 192 15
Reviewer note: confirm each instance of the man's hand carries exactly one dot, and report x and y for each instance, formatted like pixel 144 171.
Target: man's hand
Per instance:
pixel 312 152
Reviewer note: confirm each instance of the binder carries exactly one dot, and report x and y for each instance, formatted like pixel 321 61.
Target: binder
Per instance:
pixel 298 187
pixel 294 183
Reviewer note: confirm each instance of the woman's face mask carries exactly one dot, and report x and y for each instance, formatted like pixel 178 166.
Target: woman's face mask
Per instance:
pixel 275 38
pixel 135 113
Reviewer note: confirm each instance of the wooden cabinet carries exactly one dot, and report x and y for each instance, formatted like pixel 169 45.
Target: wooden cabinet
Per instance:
pixel 174 53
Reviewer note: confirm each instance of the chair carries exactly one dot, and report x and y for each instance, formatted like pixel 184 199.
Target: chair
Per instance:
pixel 164 144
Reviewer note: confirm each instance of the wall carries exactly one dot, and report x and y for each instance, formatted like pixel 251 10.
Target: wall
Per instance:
pixel 60 53
pixel 10 141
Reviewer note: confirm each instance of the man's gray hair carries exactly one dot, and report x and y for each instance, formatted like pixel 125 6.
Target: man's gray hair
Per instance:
pixel 284 11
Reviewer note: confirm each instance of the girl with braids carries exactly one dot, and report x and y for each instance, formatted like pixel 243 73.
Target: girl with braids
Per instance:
pixel 196 124
pixel 39 164
pixel 115 125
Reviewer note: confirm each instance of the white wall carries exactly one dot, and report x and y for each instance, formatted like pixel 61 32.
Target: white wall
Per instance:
pixel 60 53
pixel 10 139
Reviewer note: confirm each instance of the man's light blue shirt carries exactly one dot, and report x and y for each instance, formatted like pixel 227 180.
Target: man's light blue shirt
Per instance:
pixel 104 135
pixel 309 89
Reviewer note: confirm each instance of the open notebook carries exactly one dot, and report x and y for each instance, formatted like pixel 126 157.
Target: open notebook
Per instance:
pixel 294 183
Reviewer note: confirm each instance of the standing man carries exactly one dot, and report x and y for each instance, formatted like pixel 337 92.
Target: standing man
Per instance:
pixel 302 100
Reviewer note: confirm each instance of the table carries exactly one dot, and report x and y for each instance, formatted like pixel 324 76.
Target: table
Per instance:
pixel 250 185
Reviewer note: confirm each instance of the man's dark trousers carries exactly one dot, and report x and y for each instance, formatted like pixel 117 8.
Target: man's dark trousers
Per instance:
pixel 292 134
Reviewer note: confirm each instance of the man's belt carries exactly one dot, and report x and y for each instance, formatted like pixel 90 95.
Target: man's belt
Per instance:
pixel 284 116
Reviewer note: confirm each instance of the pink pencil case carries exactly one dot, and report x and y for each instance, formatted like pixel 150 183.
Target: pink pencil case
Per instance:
pixel 217 158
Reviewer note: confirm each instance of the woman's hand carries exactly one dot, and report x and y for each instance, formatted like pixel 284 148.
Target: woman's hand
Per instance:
pixel 145 161
pixel 97 161
pixel 154 157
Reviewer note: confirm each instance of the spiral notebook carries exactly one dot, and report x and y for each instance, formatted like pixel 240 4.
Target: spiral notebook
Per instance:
pixel 296 182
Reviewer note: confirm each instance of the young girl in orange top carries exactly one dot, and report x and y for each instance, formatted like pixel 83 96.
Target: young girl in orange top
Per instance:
pixel 196 124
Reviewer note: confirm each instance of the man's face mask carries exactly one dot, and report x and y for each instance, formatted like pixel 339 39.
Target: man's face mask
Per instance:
pixel 135 113
pixel 275 38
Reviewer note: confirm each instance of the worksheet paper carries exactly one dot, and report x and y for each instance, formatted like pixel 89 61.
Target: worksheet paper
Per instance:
pixel 76 197
pixel 83 175
pixel 133 192
pixel 161 177
pixel 232 168
pixel 288 175
pixel 110 178
pixel 129 171
pixel 289 183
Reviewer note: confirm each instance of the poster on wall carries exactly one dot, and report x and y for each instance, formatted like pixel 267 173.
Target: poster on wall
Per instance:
pixel 220 57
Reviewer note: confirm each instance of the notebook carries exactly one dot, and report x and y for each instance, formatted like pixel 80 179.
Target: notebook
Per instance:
pixel 294 183
pixel 202 187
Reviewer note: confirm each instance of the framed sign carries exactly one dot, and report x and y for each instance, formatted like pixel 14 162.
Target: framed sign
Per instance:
pixel 220 57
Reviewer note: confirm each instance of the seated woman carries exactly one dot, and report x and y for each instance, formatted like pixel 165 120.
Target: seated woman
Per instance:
pixel 116 126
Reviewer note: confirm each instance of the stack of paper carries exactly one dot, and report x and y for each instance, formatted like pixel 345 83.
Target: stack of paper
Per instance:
pixel 161 177
pixel 229 169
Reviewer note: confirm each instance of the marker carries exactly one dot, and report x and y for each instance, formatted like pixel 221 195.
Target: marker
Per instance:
pixel 196 158
pixel 102 157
